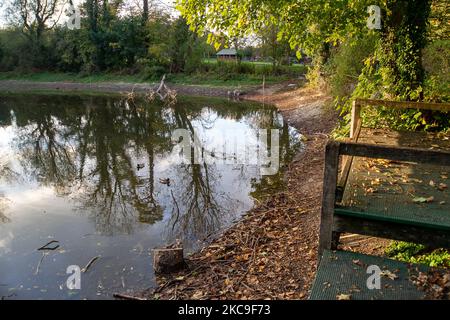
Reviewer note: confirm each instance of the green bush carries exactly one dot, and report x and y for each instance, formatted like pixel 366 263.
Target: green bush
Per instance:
pixel 436 62
pixel 1 53
pixel 153 72
pixel 347 63
pixel 246 68
pixel 416 253
pixel 231 70
pixel 264 70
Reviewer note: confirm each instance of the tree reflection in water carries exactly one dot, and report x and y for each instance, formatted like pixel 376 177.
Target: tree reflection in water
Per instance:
pixel 3 208
pixel 7 175
pixel 106 154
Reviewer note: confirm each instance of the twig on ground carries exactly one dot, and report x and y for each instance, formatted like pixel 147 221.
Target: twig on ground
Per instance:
pixel 46 246
pixel 127 297
pixel 85 269
pixel 250 263
pixel 40 262
pixel 172 281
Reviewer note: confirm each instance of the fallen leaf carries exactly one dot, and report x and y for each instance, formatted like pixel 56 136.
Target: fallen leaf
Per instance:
pixel 423 199
pixel 357 262
pixel 389 274
pixel 197 295
pixel 343 297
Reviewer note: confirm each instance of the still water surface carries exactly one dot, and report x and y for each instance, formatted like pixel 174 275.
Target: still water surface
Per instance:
pixel 90 173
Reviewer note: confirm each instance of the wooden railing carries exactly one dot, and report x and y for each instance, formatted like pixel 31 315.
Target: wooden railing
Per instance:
pixel 356 125
pixel 359 103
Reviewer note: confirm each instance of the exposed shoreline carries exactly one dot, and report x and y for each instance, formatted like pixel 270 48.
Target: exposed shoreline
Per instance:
pixel 9 86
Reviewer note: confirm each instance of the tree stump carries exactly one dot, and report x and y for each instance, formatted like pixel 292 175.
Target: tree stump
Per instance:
pixel 168 260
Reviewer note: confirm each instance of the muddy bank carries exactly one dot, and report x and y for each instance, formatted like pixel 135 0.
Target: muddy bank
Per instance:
pixel 271 252
pixel 115 87
pixel 307 109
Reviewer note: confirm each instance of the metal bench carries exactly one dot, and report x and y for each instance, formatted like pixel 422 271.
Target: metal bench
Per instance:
pixel 403 198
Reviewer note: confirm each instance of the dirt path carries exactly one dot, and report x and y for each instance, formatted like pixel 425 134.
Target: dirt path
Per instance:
pixel 271 252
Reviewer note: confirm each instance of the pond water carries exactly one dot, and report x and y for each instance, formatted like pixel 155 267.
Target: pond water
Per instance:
pixel 91 172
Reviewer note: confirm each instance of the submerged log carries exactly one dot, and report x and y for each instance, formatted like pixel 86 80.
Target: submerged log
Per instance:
pixel 168 260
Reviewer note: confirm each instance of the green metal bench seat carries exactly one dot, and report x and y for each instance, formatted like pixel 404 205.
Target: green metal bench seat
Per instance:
pixel 388 192
pixel 385 184
pixel 344 273
pixel 398 192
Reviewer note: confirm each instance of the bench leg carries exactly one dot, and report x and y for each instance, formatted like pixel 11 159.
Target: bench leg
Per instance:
pixel 329 196
pixel 335 236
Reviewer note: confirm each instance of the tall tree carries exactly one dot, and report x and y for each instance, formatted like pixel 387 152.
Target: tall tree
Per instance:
pixel 100 16
pixel 35 16
pixel 145 11
pixel 183 48
pixel 271 46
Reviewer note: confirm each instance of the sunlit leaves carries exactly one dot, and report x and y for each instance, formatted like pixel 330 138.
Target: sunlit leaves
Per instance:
pixel 305 24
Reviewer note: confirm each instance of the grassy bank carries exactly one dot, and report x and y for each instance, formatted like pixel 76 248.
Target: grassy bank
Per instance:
pixel 69 77
pixel 182 79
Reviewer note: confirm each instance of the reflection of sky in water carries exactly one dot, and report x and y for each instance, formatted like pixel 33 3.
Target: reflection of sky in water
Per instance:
pixel 96 202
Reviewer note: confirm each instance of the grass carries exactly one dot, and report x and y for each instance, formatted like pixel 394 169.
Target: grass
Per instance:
pixel 52 92
pixel 294 68
pixel 215 81
pixel 181 79
pixel 260 63
pixel 70 77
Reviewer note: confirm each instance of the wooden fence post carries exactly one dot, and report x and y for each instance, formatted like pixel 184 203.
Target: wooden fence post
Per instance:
pixel 356 117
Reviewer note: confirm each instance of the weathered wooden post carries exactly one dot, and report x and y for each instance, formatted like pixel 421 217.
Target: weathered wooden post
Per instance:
pixel 356 117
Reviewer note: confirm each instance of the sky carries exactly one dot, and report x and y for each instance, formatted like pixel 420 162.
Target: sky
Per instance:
pixel 166 4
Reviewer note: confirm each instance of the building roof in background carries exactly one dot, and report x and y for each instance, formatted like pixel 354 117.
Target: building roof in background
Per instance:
pixel 227 52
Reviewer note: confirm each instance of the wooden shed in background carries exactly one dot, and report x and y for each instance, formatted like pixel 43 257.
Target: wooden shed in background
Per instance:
pixel 227 55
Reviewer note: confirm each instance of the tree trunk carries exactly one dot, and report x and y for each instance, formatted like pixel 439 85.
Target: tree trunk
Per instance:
pixel 145 12
pixel 403 38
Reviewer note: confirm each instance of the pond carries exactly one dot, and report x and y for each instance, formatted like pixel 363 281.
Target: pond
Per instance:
pixel 102 176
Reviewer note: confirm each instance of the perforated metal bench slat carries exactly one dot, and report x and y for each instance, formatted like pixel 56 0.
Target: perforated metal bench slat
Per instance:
pixel 344 272
pixel 387 193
